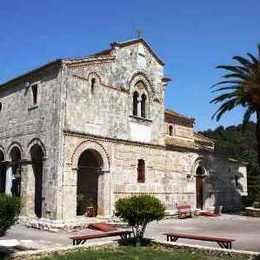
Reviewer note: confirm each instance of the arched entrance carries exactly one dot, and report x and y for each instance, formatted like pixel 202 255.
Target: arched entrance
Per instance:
pixel 37 165
pixel 89 168
pixel 15 155
pixel 2 173
pixel 200 173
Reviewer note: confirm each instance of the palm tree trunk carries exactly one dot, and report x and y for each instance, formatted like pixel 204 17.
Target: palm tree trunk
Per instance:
pixel 258 135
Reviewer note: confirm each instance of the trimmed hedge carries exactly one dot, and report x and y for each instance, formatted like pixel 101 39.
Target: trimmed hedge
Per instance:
pixel 9 211
pixel 138 211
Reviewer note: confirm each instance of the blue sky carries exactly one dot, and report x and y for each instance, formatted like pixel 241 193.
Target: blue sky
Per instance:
pixel 192 37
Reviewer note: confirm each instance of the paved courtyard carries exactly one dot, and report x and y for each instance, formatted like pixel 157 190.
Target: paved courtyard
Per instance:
pixel 245 230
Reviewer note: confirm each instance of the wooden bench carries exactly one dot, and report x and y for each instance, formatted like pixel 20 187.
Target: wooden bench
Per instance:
pixel 184 210
pixel 82 238
pixel 222 242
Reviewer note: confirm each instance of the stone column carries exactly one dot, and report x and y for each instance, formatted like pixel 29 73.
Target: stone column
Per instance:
pixel 27 190
pixel 139 107
pixel 8 180
pixel 104 194
pixel 69 190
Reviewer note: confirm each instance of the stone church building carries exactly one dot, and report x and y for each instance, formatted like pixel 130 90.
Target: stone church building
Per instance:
pixel 78 134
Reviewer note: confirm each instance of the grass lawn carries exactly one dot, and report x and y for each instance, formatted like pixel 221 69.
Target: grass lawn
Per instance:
pixel 136 253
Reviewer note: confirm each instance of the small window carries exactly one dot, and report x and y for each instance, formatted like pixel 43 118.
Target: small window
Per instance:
pixel 141 171
pixel 35 94
pixel 143 106
pixel 170 130
pixel 236 181
pixel 1 106
pixel 135 103
pixel 93 83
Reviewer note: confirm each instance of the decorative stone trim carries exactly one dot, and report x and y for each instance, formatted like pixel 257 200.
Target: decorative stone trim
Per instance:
pixel 3 151
pixel 69 132
pixel 140 119
pixel 140 76
pixel 88 61
pixel 100 82
pixel 36 141
pixel 93 145
pixel 11 146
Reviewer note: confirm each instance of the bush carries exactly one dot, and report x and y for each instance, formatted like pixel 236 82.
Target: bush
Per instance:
pixel 9 211
pixel 138 211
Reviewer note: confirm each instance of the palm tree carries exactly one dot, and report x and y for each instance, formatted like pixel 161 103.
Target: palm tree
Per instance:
pixel 241 87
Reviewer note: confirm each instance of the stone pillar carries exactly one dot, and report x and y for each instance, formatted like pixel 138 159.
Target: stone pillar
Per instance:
pixel 104 191
pixel 27 190
pixel 8 180
pixel 139 108
pixel 69 189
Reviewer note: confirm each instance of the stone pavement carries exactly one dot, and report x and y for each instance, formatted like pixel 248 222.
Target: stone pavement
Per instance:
pixel 246 231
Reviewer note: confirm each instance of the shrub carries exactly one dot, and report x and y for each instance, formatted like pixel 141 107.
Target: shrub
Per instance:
pixel 138 211
pixel 9 211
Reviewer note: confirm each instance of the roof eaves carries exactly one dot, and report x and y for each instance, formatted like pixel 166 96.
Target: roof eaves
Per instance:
pixel 176 114
pixel 57 61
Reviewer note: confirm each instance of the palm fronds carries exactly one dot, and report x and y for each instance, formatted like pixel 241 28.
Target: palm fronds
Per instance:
pixel 240 87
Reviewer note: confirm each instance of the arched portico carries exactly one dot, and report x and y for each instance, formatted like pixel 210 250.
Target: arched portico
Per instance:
pixel 92 179
pixel 37 157
pixel 200 173
pixel 89 172
pixel 13 183
pixel 2 172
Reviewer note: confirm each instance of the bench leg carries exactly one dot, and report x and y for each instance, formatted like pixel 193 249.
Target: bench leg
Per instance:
pixel 171 238
pixel 125 236
pixel 227 245
pixel 174 239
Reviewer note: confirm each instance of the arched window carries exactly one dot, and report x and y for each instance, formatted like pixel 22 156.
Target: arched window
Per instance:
pixel 141 171
pixel 135 103
pixel 143 106
pixel 35 93
pixel 236 181
pixel 170 130
pixel 93 82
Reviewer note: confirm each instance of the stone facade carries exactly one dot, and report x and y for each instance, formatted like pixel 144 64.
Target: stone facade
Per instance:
pixel 101 115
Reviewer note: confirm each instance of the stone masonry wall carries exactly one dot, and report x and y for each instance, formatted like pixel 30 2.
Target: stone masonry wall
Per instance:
pixel 107 110
pixel 23 124
pixel 170 175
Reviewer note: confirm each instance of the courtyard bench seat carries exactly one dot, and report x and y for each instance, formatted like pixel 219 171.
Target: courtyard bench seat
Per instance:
pixel 184 210
pixel 80 239
pixel 222 242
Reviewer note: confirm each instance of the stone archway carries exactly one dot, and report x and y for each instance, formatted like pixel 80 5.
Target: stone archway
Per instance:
pixel 37 156
pixel 2 173
pixel 14 180
pixel 102 164
pixel 89 172
pixel 200 173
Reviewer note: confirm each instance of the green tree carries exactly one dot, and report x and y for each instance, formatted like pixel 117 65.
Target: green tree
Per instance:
pixel 9 211
pixel 241 87
pixel 138 211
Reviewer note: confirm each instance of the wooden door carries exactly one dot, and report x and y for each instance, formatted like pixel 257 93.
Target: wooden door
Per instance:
pixel 199 192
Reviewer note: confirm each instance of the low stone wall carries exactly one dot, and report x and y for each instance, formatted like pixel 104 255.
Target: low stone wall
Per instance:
pixel 210 251
pixel 253 212
pixel 36 254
